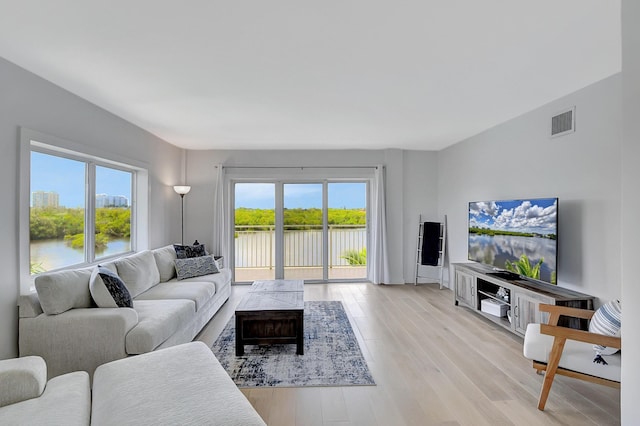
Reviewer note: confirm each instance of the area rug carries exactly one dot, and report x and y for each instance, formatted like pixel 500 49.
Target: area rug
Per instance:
pixel 332 356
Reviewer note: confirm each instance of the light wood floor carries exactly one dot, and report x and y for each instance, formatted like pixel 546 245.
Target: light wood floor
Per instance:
pixel 434 364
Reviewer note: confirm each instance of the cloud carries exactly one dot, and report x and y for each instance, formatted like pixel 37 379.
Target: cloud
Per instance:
pixel 483 208
pixel 525 217
pixel 528 217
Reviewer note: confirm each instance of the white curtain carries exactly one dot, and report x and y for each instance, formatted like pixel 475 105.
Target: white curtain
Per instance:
pixel 378 260
pixel 220 229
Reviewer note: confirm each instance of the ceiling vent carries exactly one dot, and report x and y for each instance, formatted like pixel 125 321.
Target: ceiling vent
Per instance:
pixel 563 123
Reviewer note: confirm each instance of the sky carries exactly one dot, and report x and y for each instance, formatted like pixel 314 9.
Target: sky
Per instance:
pixel 67 178
pixel 535 215
pixel 350 195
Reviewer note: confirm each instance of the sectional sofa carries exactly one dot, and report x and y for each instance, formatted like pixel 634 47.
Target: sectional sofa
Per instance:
pixel 60 322
pixel 181 385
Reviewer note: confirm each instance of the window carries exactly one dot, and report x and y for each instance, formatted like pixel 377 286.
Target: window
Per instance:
pixel 63 231
pixel 76 208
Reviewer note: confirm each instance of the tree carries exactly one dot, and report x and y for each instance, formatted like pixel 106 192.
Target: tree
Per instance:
pixel 523 267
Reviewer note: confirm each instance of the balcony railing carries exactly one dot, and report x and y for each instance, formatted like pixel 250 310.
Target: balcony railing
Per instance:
pixel 255 245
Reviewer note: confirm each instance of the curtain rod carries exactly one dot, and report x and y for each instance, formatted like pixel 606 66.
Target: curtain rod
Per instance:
pixel 298 167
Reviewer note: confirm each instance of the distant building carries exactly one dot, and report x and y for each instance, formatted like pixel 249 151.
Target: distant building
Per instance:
pixel 106 200
pixel 41 199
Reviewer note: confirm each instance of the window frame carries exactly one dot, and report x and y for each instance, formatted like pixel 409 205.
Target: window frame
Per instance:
pixel 323 175
pixel 32 141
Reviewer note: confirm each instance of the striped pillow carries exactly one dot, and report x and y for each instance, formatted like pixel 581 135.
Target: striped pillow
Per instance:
pixel 607 320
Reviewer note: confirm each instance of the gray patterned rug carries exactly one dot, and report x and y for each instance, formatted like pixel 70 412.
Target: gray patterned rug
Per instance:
pixel 331 357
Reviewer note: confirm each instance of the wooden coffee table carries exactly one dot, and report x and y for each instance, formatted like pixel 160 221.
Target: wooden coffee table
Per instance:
pixel 271 313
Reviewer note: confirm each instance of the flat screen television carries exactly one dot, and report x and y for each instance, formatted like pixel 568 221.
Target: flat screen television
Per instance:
pixel 519 236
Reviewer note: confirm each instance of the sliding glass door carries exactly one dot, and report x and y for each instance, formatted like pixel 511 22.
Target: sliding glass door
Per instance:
pixel 347 229
pixel 254 233
pixel 303 234
pixel 312 231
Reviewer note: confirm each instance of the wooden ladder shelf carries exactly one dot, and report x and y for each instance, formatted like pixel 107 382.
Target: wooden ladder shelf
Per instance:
pixel 442 244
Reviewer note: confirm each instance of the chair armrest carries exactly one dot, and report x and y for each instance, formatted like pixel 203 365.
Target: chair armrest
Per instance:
pixel 556 311
pixel 581 336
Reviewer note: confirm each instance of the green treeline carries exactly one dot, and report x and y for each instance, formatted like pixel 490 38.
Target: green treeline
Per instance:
pixel 68 224
pixel 300 217
pixel 487 231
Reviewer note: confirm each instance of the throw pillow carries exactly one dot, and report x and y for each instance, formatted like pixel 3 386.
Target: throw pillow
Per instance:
pixel 164 259
pixel 108 290
pixel 63 290
pixel 195 267
pixel 139 271
pixel 184 252
pixel 606 320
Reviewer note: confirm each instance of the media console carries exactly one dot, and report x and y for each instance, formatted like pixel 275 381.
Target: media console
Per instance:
pixel 475 283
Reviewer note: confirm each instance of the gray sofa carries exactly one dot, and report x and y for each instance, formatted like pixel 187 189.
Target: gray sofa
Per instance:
pixel 184 385
pixel 60 323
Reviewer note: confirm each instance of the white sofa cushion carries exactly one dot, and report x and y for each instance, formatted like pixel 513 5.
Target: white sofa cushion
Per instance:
pixel 138 271
pixel 66 400
pixel 108 290
pixel 576 356
pixel 199 292
pixel 60 291
pixel 223 276
pixel 157 321
pixel 22 379
pixel 164 260
pixel 184 384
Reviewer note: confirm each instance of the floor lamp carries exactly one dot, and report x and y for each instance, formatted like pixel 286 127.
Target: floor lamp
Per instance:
pixel 182 190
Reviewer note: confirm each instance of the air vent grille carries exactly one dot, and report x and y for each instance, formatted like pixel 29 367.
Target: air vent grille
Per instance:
pixel 563 123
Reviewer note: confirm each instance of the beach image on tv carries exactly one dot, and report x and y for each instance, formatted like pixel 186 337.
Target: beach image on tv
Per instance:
pixel 516 235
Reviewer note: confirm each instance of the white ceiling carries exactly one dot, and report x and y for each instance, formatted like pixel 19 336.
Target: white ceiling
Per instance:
pixel 295 74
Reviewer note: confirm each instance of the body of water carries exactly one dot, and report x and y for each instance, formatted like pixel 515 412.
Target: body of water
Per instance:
pixel 497 249
pixel 54 254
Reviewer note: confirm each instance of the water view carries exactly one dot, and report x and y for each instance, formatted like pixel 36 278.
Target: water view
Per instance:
pixel 53 254
pixel 498 249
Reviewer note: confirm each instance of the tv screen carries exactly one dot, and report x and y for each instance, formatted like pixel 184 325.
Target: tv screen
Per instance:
pixel 519 236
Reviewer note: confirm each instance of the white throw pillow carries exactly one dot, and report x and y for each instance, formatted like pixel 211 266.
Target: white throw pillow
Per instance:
pixel 108 290
pixel 60 291
pixel 607 320
pixel 138 271
pixel 164 260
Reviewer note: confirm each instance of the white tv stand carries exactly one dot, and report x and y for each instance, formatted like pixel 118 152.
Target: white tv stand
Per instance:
pixel 474 282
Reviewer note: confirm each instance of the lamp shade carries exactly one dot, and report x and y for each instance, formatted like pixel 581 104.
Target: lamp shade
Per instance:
pixel 182 189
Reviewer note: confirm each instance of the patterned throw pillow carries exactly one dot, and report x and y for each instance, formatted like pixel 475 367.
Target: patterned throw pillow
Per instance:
pixel 108 290
pixel 607 320
pixel 195 267
pixel 184 252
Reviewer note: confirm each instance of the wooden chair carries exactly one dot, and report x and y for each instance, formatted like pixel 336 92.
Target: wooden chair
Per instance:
pixel 569 352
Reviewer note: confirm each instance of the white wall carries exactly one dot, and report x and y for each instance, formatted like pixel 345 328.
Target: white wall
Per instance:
pixel 411 183
pixel 630 209
pixel 517 159
pixel 421 194
pixel 30 101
